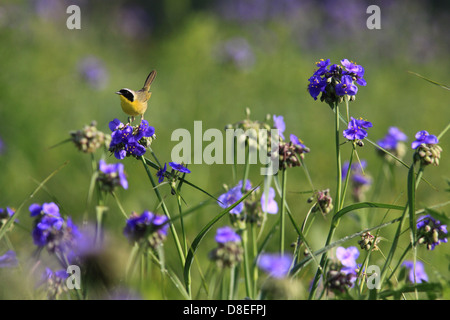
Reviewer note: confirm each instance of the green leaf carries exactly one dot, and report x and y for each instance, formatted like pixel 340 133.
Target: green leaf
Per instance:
pixel 419 287
pixel 362 205
pixel 431 81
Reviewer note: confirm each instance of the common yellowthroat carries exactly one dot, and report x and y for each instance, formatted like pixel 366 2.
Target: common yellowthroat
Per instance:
pixel 134 103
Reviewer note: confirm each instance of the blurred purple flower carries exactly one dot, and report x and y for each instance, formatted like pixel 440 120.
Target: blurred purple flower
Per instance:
pixel 275 265
pixel 278 123
pixel 227 234
pixel 348 256
pixel 134 21
pixel 146 224
pixel 8 260
pixel 416 274
pixel 112 175
pixel 356 172
pixel 2 146
pixel 392 138
pixel 231 197
pixel 237 51
pixel 268 203
pixel 93 72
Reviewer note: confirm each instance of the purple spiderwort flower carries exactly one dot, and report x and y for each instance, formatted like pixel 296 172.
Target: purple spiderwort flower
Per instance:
pixel 276 265
pixel 115 172
pixel 278 123
pixel 346 87
pixel 136 226
pixel 355 130
pixel 227 234
pixel 322 65
pixel 268 203
pixel 424 137
pixel 356 70
pixel 52 231
pixel 8 260
pixel 416 274
pixel 316 86
pixel 231 197
pixel 161 173
pixel 179 167
pixel 296 141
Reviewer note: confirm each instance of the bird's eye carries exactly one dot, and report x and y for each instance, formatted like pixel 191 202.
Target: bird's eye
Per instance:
pixel 127 94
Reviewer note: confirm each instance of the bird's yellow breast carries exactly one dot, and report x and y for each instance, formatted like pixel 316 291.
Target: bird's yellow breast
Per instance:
pixel 133 108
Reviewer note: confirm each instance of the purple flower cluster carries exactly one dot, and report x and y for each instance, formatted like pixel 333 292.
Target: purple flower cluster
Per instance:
pixel 335 81
pixel 52 231
pixel 111 175
pixel 130 141
pixel 431 232
pixel 147 225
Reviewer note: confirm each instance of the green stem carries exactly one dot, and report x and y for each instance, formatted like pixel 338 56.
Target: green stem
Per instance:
pixel 166 212
pixel 248 284
pixel 283 209
pixel 334 222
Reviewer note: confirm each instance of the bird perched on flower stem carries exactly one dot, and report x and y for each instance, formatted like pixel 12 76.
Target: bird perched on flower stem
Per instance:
pixel 134 103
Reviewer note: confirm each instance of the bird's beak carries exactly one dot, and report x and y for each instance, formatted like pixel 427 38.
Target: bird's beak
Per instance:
pixel 118 92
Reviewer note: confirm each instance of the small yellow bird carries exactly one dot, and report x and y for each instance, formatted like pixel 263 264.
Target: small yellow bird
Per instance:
pixel 134 103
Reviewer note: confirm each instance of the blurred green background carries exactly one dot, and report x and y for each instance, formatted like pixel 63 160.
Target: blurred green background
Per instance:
pixel 214 59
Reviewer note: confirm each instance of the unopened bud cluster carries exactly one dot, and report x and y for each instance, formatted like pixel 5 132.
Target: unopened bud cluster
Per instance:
pixel 89 138
pixel 290 155
pixel 368 241
pixel 227 254
pixel 324 202
pixel 428 154
pixel 339 281
pixel 431 232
